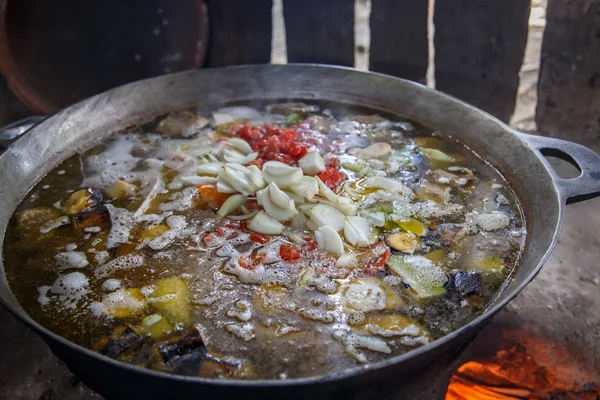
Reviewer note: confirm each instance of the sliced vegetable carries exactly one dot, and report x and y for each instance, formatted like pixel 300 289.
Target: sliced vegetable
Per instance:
pixel 391 325
pixel 124 303
pixel 154 232
pixel 283 175
pixel 312 163
pixel 387 184
pixel 412 225
pixel 357 231
pixel 421 274
pixel 263 223
pixel 232 204
pixel 171 299
pixel 120 189
pixel 82 200
pixel 369 294
pixel 155 326
pixel 436 155
pixel 211 194
pixel 404 241
pixel 324 215
pixel 376 150
pixel 306 188
pixel 329 240
pixel 245 180
pixel 276 203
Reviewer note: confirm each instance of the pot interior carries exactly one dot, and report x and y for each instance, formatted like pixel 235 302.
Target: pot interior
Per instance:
pixel 96 118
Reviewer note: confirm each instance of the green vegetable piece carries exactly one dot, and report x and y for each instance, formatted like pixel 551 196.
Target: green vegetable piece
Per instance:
pixel 292 118
pixel 420 273
pixel 171 299
pixel 387 208
pixel 436 155
pixel 353 167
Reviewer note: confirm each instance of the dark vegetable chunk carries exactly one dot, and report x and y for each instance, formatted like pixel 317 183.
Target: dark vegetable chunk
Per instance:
pixel 466 283
pixel 181 354
pixel 120 340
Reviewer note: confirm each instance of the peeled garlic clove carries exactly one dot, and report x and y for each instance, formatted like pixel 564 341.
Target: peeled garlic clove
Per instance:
pixel 387 184
pixel 278 197
pixel 357 231
pixel 234 156
pixel 211 169
pixel 237 179
pixel 346 260
pixel 224 187
pixel 325 191
pixel 263 223
pixel 307 187
pixel 256 176
pixel 282 174
pixel 312 163
pixel 299 221
pixel 324 215
pixel 265 198
pixel 240 144
pixel 231 204
pixel 198 180
pixel 329 240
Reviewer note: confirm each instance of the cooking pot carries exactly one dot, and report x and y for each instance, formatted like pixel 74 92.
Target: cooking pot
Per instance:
pixel 516 155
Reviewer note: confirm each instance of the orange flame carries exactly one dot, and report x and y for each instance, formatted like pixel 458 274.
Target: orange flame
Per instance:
pixel 527 367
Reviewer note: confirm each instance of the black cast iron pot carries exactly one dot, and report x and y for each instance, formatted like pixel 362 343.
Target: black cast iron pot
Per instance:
pixel 517 156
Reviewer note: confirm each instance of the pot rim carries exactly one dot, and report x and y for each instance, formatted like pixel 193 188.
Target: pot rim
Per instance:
pixel 495 306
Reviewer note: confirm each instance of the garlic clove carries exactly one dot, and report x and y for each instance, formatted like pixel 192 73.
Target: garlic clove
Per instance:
pixel 263 223
pixel 357 231
pixel 265 199
pixel 278 197
pixel 211 169
pixel 240 144
pixel 324 215
pixel 329 240
pixel 346 260
pixel 312 163
pixel 231 204
pixel 224 187
pixel 307 188
pixel 282 174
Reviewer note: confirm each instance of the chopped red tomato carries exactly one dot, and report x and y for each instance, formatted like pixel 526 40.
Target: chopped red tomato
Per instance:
pixel 258 162
pixel 380 255
pixel 250 261
pixel 259 238
pixel 332 177
pixel 311 244
pixel 288 252
pixel 272 143
pixel 210 239
pixel 333 163
pixel 209 194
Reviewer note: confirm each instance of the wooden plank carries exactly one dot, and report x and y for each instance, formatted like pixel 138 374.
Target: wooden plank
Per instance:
pixel 569 82
pixel 240 32
pixel 319 31
pixel 479 48
pixel 399 38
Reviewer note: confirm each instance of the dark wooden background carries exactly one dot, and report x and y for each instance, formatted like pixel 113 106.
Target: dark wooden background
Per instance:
pixel 479 48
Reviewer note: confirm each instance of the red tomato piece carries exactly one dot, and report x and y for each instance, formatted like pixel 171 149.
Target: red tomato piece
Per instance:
pixel 259 238
pixel 288 252
pixel 311 244
pixel 333 163
pixel 331 177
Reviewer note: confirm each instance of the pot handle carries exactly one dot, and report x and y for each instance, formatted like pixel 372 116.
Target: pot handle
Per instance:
pixel 11 132
pixel 573 190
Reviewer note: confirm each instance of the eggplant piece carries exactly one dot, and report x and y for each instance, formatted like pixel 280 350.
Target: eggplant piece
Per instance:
pixel 181 354
pixel 292 108
pixel 181 124
pixel 180 345
pixel 121 339
pixel 86 209
pixel 465 283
